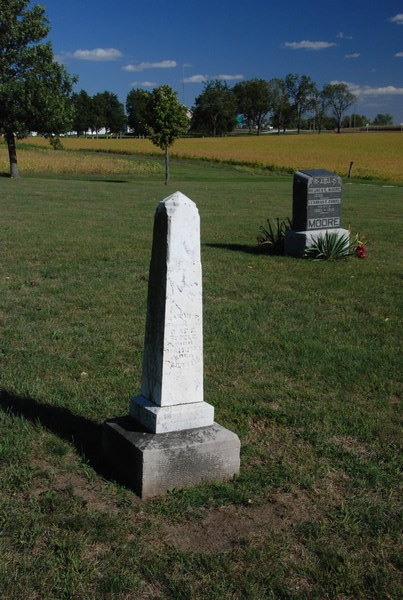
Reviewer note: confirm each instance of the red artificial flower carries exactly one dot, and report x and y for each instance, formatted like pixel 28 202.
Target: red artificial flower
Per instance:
pixel 360 251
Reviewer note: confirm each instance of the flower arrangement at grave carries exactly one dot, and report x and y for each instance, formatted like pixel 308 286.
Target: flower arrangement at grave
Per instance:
pixel 359 245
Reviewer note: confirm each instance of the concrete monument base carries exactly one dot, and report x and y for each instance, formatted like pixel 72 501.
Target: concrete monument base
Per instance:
pixel 163 419
pixel 296 242
pixel 152 464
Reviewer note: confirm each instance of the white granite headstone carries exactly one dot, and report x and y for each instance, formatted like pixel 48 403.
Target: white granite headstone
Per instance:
pixel 171 396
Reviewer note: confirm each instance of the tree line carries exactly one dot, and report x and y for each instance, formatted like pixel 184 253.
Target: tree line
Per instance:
pixel 219 108
pixel 294 102
pixel 36 94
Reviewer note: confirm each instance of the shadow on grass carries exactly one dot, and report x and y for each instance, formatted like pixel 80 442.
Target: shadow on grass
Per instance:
pixel 108 180
pixel 4 174
pixel 85 435
pixel 239 248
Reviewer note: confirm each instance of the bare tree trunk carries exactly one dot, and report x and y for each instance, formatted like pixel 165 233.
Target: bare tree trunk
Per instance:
pixel 12 153
pixel 299 119
pixel 166 166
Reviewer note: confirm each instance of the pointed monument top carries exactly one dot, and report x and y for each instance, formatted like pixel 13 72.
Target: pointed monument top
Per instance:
pixel 175 200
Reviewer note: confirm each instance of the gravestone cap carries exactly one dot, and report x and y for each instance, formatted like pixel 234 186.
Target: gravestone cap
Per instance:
pixel 316 200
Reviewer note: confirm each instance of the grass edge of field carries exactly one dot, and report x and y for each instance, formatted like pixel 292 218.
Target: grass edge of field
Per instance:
pixel 257 166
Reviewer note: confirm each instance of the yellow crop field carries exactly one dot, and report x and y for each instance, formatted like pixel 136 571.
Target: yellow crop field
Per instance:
pixel 378 155
pixel 47 160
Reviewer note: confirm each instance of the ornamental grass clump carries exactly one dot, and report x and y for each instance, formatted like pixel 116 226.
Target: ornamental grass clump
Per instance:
pixel 271 238
pixel 330 246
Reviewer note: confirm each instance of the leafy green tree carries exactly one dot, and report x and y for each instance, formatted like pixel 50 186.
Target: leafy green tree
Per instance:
pixel 354 120
pixel 383 119
pixel 300 89
pixel 82 104
pixel 108 112
pixel 98 112
pixel 137 109
pixel 167 120
pixel 215 109
pixel 319 106
pixel 340 99
pixel 254 101
pixel 35 91
pixel 283 115
pixel 329 123
pixel 115 117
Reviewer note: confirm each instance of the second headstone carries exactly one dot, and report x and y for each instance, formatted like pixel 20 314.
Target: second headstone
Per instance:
pixel 316 209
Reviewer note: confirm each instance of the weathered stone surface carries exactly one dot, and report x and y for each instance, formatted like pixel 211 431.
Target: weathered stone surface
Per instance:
pixel 316 209
pixel 152 464
pixel 170 439
pixel 316 200
pixel 173 347
pixel 161 419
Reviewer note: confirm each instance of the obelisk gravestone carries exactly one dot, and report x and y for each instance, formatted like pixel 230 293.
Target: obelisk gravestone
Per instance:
pixel 172 382
pixel 170 439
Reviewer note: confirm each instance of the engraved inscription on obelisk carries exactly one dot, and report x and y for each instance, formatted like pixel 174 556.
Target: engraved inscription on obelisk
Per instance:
pixel 172 381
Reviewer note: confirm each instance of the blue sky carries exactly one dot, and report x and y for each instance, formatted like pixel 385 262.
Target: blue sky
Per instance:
pixel 119 45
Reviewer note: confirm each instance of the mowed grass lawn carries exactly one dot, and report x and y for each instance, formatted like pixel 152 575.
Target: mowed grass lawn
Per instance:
pixel 301 360
pixel 375 155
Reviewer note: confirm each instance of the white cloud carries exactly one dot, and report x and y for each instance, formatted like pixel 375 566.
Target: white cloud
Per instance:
pixel 97 54
pixel 342 36
pixel 389 90
pixel 143 83
pixel 228 77
pixel 352 55
pixel 367 90
pixel 196 79
pixel 307 45
pixel 397 19
pixel 204 78
pixel 399 54
pixel 163 64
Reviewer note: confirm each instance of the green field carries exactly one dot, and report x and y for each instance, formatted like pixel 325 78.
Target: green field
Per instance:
pixel 302 360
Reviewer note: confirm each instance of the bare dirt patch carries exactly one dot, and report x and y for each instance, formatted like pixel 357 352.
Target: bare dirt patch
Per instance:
pixel 332 488
pixel 95 494
pixel 351 444
pixel 301 585
pixel 227 526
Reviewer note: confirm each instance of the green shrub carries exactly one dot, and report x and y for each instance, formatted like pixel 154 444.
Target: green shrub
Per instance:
pixel 271 238
pixel 56 143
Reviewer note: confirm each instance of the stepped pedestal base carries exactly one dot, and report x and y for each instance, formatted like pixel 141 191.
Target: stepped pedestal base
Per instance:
pixel 152 464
